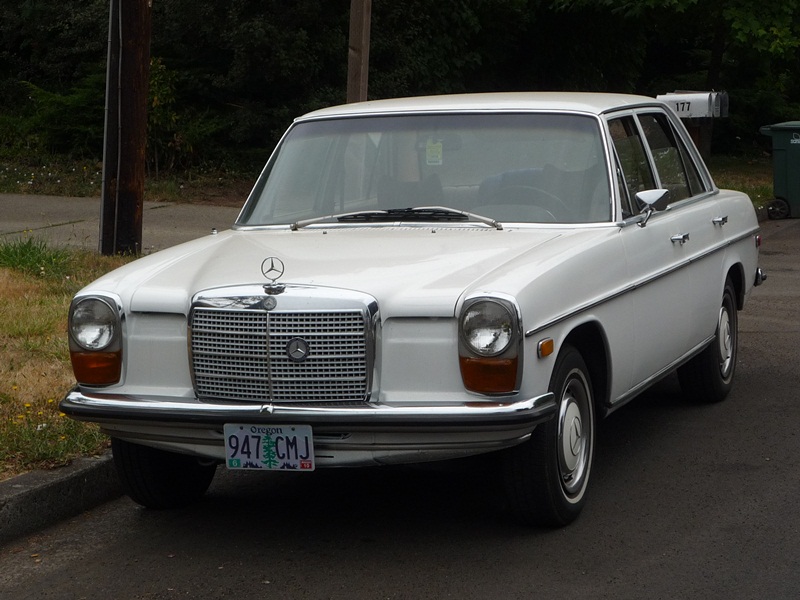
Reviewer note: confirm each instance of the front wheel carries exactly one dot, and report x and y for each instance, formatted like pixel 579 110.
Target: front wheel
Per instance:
pixel 708 377
pixel 547 476
pixel 160 479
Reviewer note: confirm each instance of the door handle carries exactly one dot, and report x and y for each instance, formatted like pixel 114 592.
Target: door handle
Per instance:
pixel 720 220
pixel 680 238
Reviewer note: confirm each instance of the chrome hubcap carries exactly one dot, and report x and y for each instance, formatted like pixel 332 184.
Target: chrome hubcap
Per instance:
pixel 574 435
pixel 725 341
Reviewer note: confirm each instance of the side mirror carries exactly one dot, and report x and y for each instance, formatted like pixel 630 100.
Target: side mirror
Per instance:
pixel 649 198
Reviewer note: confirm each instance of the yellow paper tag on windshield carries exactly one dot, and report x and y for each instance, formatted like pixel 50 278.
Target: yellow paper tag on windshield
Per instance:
pixel 433 153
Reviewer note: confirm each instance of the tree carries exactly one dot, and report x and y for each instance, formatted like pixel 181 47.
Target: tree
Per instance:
pixel 236 73
pixel 764 27
pixel 750 48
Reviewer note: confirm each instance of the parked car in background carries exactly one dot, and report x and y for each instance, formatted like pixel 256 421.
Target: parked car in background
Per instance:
pixel 423 279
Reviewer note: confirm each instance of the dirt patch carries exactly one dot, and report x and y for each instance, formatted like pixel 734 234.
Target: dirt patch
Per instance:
pixel 207 192
pixel 15 286
pixel 232 195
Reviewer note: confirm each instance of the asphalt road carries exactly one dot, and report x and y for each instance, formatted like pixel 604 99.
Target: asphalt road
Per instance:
pixel 686 502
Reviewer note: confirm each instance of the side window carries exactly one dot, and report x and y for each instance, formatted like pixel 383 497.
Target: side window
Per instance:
pixel 676 172
pixel 635 167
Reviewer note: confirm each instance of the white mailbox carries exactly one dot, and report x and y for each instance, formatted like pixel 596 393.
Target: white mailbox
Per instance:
pixel 694 105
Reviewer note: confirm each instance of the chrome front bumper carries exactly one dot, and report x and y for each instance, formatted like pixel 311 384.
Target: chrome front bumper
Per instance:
pixel 343 435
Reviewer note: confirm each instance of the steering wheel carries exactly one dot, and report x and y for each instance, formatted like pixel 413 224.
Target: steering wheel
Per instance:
pixel 528 195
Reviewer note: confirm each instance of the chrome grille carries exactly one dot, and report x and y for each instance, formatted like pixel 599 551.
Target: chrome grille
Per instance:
pixel 240 353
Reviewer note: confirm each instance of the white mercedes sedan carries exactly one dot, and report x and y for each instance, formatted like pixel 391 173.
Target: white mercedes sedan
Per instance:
pixel 422 279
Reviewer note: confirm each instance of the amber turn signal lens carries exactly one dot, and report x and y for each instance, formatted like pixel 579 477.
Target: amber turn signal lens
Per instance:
pixel 545 347
pixel 489 375
pixel 97 368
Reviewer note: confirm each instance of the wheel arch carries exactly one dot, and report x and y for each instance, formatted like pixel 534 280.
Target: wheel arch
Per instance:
pixel 590 340
pixel 736 275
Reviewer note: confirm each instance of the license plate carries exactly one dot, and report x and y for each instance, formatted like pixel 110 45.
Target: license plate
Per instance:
pixel 269 447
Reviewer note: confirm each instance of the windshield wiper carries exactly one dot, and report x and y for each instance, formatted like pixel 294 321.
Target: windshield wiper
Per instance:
pixel 408 214
pixel 306 222
pixel 420 213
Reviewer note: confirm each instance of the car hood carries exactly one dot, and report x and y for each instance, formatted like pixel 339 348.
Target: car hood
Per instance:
pixel 411 271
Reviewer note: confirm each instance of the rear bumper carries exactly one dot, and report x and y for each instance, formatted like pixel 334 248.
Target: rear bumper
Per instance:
pixel 343 435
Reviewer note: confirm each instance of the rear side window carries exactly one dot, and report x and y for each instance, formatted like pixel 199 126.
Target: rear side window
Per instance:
pixel 676 171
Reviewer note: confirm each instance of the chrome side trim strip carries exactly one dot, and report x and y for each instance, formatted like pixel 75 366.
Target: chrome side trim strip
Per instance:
pixel 639 388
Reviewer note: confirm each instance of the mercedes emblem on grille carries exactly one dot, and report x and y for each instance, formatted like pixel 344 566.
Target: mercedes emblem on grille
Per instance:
pixel 297 349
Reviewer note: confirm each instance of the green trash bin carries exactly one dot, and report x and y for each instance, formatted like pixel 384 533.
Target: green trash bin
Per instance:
pixel 786 169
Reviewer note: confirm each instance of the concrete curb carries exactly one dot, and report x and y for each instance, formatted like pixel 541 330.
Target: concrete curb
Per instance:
pixel 33 501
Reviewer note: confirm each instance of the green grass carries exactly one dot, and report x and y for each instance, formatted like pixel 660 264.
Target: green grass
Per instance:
pixel 751 175
pixel 34 257
pixel 36 286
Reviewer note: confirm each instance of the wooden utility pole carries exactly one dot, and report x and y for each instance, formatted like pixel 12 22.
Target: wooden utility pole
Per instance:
pixel 358 53
pixel 127 82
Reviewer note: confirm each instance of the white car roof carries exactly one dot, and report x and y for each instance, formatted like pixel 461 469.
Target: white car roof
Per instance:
pixel 587 102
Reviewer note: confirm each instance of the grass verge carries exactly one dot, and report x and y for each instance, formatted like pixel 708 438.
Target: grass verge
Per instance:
pixel 36 286
pixel 751 175
pixel 57 176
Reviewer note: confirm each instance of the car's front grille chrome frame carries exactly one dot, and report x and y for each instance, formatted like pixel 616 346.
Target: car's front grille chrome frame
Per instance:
pixel 305 345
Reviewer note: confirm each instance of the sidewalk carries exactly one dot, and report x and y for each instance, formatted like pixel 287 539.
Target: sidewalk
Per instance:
pixel 75 222
pixel 36 500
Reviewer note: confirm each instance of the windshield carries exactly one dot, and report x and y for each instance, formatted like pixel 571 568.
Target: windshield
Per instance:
pixel 540 168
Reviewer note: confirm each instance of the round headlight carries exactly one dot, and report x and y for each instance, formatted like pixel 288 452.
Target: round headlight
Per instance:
pixel 487 328
pixel 93 324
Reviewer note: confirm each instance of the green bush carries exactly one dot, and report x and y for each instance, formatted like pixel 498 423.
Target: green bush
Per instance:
pixel 70 123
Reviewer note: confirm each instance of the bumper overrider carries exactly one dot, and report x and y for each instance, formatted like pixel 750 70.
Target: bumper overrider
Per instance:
pixel 365 434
